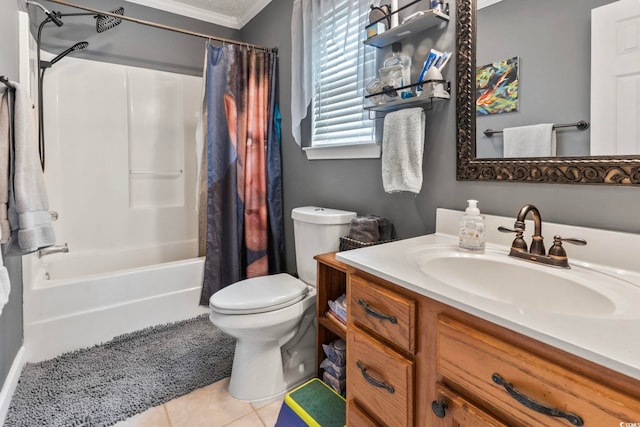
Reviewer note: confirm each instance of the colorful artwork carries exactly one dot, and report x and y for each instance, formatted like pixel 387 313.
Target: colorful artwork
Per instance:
pixel 497 87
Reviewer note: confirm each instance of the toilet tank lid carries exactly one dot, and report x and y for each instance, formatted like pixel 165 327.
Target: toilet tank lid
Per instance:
pixel 259 294
pixel 318 215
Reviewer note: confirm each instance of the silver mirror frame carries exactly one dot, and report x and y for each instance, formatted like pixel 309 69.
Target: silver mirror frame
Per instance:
pixel 610 170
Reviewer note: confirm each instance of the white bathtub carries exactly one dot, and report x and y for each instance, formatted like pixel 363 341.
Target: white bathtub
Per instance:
pixel 68 314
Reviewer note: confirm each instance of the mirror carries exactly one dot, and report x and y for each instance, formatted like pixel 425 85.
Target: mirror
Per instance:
pixel 572 167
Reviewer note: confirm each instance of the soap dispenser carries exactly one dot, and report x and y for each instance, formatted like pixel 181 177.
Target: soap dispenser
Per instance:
pixel 472 232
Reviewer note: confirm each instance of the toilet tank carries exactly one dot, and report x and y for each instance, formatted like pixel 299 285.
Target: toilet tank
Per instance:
pixel 317 231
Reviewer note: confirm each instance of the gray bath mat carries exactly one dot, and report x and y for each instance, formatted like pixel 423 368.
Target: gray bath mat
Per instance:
pixel 102 385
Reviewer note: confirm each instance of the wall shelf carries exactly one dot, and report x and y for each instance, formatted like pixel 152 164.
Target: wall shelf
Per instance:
pixel 431 18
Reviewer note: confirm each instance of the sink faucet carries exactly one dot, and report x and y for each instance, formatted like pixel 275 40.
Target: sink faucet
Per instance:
pixel 557 256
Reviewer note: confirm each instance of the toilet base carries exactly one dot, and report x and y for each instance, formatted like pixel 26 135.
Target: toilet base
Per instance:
pixel 267 370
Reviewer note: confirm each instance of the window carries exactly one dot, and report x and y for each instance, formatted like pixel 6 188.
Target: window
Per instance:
pixel 341 67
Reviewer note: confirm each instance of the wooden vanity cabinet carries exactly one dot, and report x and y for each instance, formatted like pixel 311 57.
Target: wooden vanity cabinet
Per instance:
pixel 440 363
pixel 331 283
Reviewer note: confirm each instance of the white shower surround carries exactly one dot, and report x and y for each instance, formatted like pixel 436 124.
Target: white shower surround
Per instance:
pixel 121 174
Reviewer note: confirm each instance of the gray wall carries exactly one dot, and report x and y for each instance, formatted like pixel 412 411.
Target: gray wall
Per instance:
pixel 555 67
pixel 357 184
pixel 11 318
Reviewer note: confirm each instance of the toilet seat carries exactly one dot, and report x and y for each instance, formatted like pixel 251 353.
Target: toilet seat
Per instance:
pixel 259 295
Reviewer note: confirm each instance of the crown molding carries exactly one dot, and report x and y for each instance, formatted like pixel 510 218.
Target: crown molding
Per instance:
pixel 235 22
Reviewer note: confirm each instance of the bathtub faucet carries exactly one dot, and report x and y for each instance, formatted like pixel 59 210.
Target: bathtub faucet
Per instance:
pixel 53 250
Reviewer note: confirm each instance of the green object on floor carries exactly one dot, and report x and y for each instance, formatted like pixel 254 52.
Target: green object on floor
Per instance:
pixel 317 404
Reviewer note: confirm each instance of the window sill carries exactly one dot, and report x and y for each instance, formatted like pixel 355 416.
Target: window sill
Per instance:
pixel 347 151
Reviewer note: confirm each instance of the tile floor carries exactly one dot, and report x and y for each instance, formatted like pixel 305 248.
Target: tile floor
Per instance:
pixel 210 406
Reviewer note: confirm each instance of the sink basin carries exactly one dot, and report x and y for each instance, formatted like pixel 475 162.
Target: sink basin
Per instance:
pixel 528 286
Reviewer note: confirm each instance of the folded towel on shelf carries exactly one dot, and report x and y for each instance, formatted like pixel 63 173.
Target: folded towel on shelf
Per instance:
pixel 5 132
pixel 402 150
pixel 364 229
pixel 28 211
pixel 530 141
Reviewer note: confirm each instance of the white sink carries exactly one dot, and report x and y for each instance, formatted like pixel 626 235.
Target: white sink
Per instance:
pixel 496 276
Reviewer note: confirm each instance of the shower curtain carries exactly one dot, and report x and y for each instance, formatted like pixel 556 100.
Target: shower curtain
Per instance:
pixel 244 221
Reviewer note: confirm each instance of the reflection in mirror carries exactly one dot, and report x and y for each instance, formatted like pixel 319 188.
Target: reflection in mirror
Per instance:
pixel 552 41
pixel 564 75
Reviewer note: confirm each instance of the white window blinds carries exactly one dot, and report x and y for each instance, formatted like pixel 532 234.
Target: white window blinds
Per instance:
pixel 342 65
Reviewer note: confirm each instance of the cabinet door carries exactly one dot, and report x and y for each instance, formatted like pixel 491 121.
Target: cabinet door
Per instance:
pixel 523 388
pixel 380 380
pixel 451 410
pixel 357 417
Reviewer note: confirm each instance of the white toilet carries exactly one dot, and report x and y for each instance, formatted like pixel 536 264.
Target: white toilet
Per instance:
pixel 273 317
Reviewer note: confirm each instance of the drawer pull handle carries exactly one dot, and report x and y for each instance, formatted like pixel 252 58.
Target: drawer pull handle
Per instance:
pixel 371 312
pixel 535 406
pixel 372 380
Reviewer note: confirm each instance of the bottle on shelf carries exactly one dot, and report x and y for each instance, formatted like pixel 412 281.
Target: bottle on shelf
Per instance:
pixel 404 60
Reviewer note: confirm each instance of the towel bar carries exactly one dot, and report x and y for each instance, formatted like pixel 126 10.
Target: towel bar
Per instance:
pixel 582 125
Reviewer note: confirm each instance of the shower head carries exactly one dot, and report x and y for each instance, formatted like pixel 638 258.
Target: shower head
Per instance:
pixel 76 47
pixel 107 22
pixel 52 16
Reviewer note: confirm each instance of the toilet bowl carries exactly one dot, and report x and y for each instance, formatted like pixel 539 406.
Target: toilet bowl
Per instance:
pixel 259 362
pixel 273 317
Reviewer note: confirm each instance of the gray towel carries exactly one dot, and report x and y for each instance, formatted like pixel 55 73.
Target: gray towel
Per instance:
pixel 402 149
pixel 5 121
pixel 364 229
pixel 28 203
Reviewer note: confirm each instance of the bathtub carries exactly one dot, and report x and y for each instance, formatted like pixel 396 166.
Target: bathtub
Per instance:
pixel 68 313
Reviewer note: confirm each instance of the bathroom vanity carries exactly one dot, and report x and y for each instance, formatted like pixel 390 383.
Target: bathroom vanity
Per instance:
pixel 424 351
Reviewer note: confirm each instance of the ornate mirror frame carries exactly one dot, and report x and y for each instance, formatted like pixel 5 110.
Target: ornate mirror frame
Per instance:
pixel 616 170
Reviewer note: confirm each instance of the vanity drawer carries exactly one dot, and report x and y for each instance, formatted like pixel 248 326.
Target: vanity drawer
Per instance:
pixel 380 380
pixel 470 361
pixel 357 417
pixel 382 311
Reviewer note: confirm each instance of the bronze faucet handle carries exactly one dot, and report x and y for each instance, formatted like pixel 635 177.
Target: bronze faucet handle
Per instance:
pixel 518 243
pixel 557 251
pixel 572 240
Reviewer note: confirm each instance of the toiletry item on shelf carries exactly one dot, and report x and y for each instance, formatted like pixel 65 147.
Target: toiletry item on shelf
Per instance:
pixel 390 78
pixel 404 60
pixel 433 86
pixel 373 87
pixel 472 231
pixel 394 13
pixel 432 70
pixel 375 29
pixel 437 5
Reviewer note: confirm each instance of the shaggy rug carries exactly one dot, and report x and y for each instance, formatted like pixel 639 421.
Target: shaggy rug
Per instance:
pixel 102 385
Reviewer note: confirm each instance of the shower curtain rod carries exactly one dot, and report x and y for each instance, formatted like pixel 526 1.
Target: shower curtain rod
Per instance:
pixel 165 27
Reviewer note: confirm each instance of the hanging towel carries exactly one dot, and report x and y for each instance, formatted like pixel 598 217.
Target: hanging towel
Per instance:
pixel 402 149
pixel 28 211
pixel 5 286
pixel 530 141
pixel 5 130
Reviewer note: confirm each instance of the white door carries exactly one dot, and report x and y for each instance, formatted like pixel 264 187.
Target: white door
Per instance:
pixel 615 78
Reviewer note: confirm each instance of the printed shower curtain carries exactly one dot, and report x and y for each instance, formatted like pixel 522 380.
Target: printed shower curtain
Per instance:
pixel 244 221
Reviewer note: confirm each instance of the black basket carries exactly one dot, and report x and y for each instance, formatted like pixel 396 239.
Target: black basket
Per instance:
pixel 347 243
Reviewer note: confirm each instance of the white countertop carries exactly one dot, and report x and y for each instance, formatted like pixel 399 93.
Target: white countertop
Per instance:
pixel 612 341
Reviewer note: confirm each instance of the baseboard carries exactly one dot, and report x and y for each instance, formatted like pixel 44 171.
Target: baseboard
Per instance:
pixel 11 382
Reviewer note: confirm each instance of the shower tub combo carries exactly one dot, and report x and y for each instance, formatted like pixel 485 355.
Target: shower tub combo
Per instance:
pixel 121 178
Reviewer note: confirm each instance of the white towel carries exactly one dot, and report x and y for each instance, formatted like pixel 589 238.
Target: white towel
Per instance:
pixel 5 118
pixel 5 286
pixel 530 141
pixel 402 150
pixel 28 202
